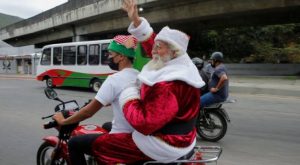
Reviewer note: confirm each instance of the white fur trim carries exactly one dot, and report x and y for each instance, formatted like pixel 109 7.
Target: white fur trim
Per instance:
pixel 142 32
pixel 159 150
pixel 181 68
pixel 128 94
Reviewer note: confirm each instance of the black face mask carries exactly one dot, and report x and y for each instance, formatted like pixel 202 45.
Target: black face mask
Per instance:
pixel 112 65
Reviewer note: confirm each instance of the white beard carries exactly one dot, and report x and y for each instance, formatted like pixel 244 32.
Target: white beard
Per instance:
pixel 158 62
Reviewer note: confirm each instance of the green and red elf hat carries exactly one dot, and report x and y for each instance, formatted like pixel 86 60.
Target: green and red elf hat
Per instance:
pixel 123 44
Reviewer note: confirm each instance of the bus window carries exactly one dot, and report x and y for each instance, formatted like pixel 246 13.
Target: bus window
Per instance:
pixel 57 56
pixel 81 55
pixel 46 57
pixel 69 55
pixel 94 54
pixel 104 54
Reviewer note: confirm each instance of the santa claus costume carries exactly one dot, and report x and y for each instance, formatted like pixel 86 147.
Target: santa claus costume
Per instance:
pixel 162 110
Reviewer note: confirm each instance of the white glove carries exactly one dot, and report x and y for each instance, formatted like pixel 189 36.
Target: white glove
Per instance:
pixel 129 93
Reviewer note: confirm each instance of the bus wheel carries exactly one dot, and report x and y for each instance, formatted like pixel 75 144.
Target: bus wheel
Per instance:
pixel 49 82
pixel 95 85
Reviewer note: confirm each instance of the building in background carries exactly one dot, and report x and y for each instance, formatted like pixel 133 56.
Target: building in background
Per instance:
pixel 18 60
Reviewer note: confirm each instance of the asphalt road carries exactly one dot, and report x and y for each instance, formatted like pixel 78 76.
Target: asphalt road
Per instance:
pixel 264 129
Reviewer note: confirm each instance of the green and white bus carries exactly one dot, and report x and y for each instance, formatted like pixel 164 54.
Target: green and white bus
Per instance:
pixel 79 64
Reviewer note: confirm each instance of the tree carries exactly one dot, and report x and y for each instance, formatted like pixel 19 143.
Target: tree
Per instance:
pixel 268 44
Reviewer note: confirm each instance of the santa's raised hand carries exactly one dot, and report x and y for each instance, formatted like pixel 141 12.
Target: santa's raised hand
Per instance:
pixel 130 6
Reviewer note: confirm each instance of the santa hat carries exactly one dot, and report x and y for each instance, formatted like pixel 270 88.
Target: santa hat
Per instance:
pixel 123 44
pixel 174 37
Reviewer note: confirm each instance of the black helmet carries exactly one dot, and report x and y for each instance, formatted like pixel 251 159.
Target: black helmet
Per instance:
pixel 198 62
pixel 217 56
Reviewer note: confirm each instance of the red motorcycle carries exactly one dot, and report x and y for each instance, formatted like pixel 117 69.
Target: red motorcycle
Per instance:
pixel 54 149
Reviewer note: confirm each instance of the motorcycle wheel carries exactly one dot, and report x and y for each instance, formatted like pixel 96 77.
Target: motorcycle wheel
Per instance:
pixel 49 83
pixel 44 156
pixel 95 85
pixel 213 128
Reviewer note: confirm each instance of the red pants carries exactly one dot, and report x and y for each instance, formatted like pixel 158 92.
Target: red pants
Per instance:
pixel 117 148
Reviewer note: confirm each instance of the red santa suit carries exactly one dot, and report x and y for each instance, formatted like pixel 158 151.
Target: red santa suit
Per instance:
pixel 162 112
pixel 164 116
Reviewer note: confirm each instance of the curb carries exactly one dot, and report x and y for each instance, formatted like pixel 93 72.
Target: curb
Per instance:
pixel 266 91
pixel 17 76
pixel 268 85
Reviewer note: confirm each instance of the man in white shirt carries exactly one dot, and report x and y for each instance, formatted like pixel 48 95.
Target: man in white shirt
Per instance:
pixel 121 57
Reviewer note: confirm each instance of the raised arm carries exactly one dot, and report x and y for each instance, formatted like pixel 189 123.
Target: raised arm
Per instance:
pixel 130 7
pixel 139 27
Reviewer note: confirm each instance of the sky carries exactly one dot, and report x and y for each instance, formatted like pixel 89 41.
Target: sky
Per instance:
pixel 27 8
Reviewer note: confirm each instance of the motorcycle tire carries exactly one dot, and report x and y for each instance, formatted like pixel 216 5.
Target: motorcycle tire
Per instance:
pixel 207 131
pixel 49 83
pixel 44 156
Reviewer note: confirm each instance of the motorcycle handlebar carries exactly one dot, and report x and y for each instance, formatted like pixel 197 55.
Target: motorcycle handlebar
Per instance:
pixel 50 124
pixel 46 117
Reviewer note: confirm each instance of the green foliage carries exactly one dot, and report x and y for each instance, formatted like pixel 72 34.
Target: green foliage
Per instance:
pixel 266 53
pixel 267 44
pixel 292 54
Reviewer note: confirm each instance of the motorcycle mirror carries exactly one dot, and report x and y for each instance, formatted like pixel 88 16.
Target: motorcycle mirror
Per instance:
pixel 50 93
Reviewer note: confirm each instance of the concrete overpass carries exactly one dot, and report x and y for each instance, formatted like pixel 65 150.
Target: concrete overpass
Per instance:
pixel 99 19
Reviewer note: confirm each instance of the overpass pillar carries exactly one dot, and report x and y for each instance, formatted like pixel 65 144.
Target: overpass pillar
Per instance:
pixel 79 38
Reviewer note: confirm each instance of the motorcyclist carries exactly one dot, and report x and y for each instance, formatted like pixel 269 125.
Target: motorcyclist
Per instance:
pixel 164 110
pixel 199 63
pixel 121 55
pixel 219 82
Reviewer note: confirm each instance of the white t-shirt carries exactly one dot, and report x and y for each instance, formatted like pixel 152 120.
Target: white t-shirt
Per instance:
pixel 109 94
